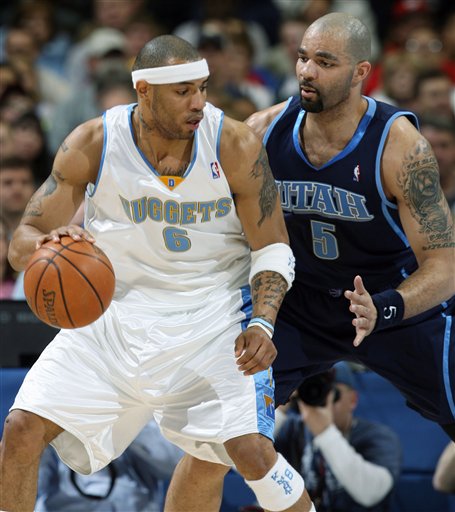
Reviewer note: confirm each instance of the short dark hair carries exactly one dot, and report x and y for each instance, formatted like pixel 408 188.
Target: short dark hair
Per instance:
pixel 438 123
pixel 162 49
pixel 428 74
pixel 15 162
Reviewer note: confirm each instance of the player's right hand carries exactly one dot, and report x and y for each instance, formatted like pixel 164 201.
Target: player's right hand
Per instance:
pixel 364 309
pixel 77 233
pixel 254 351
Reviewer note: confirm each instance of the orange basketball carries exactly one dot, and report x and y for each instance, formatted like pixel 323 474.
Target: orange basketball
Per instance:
pixel 69 284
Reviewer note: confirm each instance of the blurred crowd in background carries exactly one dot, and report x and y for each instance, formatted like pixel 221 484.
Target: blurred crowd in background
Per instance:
pixel 66 61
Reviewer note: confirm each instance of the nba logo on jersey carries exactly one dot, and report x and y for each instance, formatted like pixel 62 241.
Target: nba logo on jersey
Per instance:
pixel 356 173
pixel 215 170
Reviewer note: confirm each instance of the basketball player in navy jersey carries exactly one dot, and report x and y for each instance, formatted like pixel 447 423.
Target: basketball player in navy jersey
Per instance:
pixel 182 200
pixel 368 222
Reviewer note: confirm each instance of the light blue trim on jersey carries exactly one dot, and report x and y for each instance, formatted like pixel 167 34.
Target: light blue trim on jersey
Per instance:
pixel 353 143
pixel 144 158
pixel 265 402
pixel 385 202
pixel 275 120
pixel 385 133
pixel 399 232
pixel 218 137
pixel 247 306
pixel 445 365
pixel 91 192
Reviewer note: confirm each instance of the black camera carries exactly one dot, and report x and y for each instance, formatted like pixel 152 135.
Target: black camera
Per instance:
pixel 315 389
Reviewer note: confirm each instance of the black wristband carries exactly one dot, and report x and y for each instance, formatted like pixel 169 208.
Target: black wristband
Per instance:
pixel 390 307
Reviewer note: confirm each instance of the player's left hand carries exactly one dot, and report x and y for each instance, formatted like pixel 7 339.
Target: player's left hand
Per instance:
pixel 254 351
pixel 363 308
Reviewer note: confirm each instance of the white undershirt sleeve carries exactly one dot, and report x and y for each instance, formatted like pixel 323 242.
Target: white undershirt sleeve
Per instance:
pixel 365 482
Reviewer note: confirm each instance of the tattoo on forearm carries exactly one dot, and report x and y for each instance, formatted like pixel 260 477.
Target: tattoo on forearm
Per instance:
pixel 268 289
pixel 422 192
pixel 268 192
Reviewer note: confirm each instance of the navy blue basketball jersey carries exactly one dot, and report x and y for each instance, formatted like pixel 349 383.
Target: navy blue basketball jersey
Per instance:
pixel 339 220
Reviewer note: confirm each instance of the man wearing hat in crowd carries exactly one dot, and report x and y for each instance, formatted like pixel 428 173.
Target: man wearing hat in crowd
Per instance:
pixel 348 463
pixel 102 55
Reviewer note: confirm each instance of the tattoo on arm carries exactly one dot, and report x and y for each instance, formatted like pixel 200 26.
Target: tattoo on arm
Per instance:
pixel 34 207
pixel 419 181
pixel 268 192
pixel 268 289
pixel 64 146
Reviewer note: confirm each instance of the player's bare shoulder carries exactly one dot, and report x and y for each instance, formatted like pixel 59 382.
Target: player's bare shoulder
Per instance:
pixel 260 121
pixel 79 155
pixel 411 175
pixel 239 147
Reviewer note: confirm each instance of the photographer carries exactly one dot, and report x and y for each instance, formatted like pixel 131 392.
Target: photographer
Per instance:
pixel 349 464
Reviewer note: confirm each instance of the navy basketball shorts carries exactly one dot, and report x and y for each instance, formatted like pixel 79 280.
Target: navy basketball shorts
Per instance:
pixel 314 330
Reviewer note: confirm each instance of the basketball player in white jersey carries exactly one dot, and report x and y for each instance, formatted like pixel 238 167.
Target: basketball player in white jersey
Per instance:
pixel 183 202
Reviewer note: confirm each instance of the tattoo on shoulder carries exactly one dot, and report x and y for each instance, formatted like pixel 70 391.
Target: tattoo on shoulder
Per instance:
pixel 64 146
pixel 419 181
pixel 268 192
pixel 35 206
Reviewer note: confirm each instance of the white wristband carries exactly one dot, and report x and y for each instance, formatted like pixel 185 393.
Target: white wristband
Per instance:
pixel 263 327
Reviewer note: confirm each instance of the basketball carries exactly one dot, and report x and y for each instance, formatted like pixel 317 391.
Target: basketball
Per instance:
pixel 69 284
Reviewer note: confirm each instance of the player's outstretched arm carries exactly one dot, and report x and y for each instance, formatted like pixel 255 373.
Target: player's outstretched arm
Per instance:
pixel 410 177
pixel 54 204
pixel 246 166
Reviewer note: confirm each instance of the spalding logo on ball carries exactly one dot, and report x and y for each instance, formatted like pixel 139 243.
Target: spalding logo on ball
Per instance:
pixel 69 284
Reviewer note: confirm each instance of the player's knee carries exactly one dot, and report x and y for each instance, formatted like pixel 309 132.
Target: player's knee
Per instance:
pixel 24 432
pixel 252 454
pixel 280 488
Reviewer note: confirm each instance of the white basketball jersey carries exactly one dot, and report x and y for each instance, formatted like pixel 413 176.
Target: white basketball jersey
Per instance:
pixel 175 243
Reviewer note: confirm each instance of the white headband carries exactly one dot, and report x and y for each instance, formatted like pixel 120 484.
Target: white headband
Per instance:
pixel 172 74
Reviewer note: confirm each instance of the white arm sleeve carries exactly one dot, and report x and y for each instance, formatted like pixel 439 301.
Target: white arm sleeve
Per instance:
pixel 367 483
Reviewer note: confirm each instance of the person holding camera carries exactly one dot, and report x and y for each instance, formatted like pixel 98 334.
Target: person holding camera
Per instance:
pixel 349 464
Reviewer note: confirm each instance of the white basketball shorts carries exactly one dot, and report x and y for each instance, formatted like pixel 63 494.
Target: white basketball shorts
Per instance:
pixel 103 383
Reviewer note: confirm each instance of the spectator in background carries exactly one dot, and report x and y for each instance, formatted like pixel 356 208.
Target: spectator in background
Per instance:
pixel 444 475
pixel 8 77
pixel 43 85
pixel 433 95
pixel 222 11
pixel 109 19
pixel 17 185
pixel 400 70
pixel 440 133
pixel 245 79
pixel 425 42
pixel 138 31
pixel 349 464
pixel 212 45
pixel 38 17
pixel 7 274
pixel 6 140
pixel 14 102
pixel 106 49
pixel 30 144
pixel 281 59
pixel 405 18
pixel 133 482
